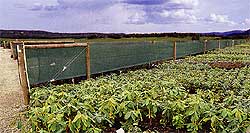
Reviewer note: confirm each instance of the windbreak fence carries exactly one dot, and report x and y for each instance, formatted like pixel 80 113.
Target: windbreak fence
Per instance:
pixel 212 45
pixel 188 48
pixel 50 64
pixel 224 43
pixel 112 56
pixel 45 65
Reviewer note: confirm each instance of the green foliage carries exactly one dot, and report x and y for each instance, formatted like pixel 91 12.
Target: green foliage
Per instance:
pixel 239 53
pixel 193 97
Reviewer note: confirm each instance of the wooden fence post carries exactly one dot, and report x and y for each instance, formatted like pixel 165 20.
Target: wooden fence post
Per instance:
pixel 23 76
pixel 11 48
pixel 205 47
pixel 4 45
pixel 174 50
pixel 219 44
pixel 88 62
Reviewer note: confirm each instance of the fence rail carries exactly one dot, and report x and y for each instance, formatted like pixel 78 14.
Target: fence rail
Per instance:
pixel 14 44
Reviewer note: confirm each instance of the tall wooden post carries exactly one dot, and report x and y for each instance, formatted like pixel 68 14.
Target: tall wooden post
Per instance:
pixel 23 76
pixel 174 50
pixel 88 62
pixel 205 46
pixel 11 48
pixel 4 44
pixel 219 44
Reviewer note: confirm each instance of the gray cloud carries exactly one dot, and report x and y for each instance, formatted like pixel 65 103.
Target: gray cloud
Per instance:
pixel 145 2
pixel 124 15
pixel 217 18
pixel 164 11
pixel 141 11
pixel 37 7
pixel 51 8
pixel 138 12
pixel 75 5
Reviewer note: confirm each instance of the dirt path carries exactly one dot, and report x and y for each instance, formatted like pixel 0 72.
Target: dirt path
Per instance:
pixel 10 94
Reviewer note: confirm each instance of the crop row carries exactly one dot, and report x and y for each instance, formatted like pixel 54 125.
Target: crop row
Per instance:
pixel 239 53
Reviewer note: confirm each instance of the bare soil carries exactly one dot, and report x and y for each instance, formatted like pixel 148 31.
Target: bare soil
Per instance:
pixel 10 93
pixel 227 65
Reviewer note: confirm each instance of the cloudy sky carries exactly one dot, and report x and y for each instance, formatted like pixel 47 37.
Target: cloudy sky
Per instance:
pixel 125 15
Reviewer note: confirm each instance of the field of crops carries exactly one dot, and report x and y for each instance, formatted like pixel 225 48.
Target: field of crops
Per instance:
pixel 238 53
pixel 189 95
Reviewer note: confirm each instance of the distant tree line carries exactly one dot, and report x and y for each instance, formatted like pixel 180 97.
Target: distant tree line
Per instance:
pixel 25 34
